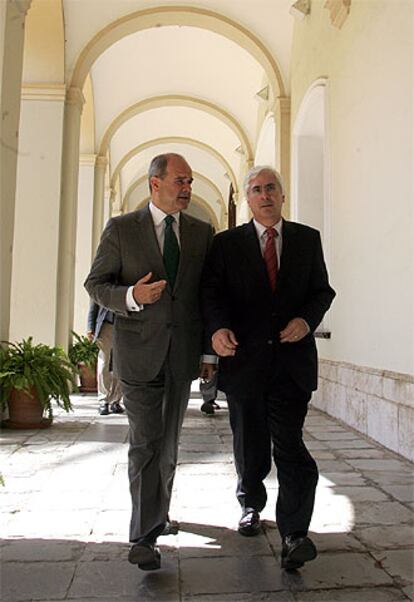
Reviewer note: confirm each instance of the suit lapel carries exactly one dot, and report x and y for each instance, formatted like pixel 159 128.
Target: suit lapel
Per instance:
pixel 188 242
pixel 288 246
pixel 148 243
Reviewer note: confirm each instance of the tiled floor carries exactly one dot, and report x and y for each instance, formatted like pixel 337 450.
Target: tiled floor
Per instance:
pixel 65 513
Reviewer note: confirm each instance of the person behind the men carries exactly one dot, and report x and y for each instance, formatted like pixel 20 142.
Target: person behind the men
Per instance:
pixel 100 326
pixel 208 390
pixel 265 289
pixel 147 270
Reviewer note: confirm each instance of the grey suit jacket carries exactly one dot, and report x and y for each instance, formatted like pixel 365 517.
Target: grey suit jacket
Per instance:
pixel 171 328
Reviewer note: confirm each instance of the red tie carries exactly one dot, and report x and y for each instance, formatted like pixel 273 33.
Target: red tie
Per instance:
pixel 270 256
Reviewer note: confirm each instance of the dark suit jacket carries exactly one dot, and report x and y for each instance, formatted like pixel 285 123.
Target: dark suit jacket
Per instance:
pixel 97 315
pixel 170 327
pixel 236 294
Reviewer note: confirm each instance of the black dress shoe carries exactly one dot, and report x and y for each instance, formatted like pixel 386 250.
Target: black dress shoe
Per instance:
pixel 116 408
pixel 171 528
pixel 296 551
pixel 208 407
pixel 249 524
pixel 146 555
pixel 103 409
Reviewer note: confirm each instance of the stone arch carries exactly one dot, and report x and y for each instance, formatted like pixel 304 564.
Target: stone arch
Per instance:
pixel 176 139
pixel 310 190
pixel 178 15
pixel 176 100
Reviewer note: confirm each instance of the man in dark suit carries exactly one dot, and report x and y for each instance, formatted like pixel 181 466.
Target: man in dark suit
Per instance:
pixel 265 289
pixel 147 270
pixel 100 327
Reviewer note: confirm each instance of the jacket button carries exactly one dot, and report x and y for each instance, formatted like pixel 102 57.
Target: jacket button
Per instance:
pixel 270 342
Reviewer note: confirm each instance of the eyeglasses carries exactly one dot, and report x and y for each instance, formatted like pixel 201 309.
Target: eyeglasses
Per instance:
pixel 268 189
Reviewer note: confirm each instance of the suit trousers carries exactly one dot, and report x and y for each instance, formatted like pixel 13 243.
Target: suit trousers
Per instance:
pixel 155 413
pixel 109 387
pixel 272 422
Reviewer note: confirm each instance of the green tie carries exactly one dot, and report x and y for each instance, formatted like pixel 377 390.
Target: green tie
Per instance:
pixel 171 251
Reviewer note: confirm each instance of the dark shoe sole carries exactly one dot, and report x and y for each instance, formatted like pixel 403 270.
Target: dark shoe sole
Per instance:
pixel 147 558
pixel 298 556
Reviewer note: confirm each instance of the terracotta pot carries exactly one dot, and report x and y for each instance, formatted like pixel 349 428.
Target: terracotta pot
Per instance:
pixel 88 382
pixel 25 411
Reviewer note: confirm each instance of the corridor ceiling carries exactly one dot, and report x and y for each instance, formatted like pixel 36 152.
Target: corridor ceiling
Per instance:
pixel 160 77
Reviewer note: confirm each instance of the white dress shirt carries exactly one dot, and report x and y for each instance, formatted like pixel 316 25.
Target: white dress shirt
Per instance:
pixel 261 234
pixel 158 217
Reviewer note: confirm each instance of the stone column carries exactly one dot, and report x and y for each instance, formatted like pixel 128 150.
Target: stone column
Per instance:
pixel 68 216
pixel 83 239
pixel 282 112
pixel 12 19
pixel 98 201
pixel 35 249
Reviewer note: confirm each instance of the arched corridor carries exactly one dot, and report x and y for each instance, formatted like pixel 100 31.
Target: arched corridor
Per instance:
pixel 323 91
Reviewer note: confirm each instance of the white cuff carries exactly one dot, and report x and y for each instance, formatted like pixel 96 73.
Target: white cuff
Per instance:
pixel 209 359
pixel 130 301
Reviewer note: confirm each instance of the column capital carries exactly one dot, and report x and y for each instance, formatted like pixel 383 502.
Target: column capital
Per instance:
pixel 101 161
pixel 74 96
pixel 21 6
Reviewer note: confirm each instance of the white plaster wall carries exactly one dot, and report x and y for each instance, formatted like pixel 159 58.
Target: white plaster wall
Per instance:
pixel 369 67
pixel 267 143
pixel 83 245
pixel 37 221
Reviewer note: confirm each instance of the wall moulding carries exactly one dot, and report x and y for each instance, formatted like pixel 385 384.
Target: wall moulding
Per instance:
pixel 54 92
pixel 339 11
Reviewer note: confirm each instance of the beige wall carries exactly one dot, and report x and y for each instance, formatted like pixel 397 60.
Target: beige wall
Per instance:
pixel 368 64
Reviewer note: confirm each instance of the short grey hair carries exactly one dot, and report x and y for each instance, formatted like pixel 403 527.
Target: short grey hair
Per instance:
pixel 258 169
pixel 158 166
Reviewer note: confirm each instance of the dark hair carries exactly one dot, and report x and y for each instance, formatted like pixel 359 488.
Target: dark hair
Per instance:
pixel 158 166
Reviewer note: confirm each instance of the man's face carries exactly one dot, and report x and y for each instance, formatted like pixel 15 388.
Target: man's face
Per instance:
pixel 265 198
pixel 172 193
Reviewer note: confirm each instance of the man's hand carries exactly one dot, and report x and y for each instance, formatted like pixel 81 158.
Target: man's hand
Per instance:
pixel 207 370
pixel 144 293
pixel 294 331
pixel 224 342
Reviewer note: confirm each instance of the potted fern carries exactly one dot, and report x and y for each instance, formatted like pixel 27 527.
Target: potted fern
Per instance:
pixel 83 353
pixel 31 376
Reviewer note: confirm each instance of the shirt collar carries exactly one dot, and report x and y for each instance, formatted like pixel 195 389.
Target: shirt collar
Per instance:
pixel 261 229
pixel 158 215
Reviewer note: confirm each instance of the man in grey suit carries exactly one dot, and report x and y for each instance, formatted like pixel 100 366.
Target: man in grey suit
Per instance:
pixel 147 270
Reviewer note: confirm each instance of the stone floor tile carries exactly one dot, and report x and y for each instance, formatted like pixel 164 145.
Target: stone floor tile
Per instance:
pixel 362 594
pixel 386 536
pixel 386 478
pixel 340 570
pixel 34 580
pixel 409 591
pixel 362 453
pixel 39 550
pixel 383 513
pixel 351 444
pixel 238 574
pixel 398 563
pixel 338 436
pixel 198 541
pixel 383 465
pixel 117 578
pixel 281 596
pixel 341 478
pixel 362 494
pixel 403 493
